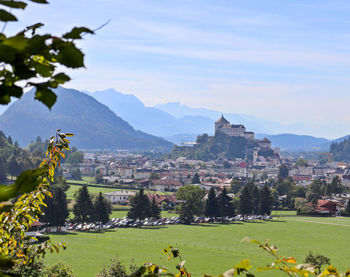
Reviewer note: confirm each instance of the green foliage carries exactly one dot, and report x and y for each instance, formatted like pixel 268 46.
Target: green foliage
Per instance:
pixel 245 203
pixel 140 206
pixel 75 157
pixel 302 162
pixel 56 210
pixel 317 260
pixel 340 151
pixel 192 197
pixel 28 55
pixel 30 189
pixel 283 172
pixel 154 176
pixel 225 206
pixel 102 208
pixel 155 210
pixel 195 179
pixel 116 269
pixel 236 185
pixel 211 204
pixel 83 208
pixel 265 201
pixel 76 174
pixel 218 146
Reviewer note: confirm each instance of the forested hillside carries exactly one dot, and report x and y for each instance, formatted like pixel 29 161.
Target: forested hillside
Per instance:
pixel 341 150
pixel 95 126
pixel 14 160
pixel 218 146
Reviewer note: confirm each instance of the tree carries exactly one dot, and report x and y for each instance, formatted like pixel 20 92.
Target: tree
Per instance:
pixel 102 208
pixel 60 181
pixel 116 269
pixel 245 205
pixel 83 208
pixel 302 162
pixel 254 197
pixel 195 179
pixel 225 205
pixel 61 206
pixel 76 174
pixel 192 197
pixel 13 167
pixel 336 186
pixel 155 209
pixel 283 172
pixel 56 211
pixel 3 170
pixel 9 139
pixel 154 176
pixel 140 206
pixel 317 260
pixel 265 201
pixel 211 204
pixel 29 60
pixel 236 185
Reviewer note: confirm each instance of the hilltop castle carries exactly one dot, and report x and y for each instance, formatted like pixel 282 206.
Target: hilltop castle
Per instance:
pixel 224 126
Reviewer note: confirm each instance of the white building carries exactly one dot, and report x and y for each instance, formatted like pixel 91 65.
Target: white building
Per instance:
pixel 121 196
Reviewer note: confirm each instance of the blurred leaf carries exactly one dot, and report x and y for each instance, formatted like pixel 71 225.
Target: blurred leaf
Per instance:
pixel 40 1
pixel 6 16
pixel 46 96
pixel 61 78
pixel 70 56
pixel 76 32
pixel 13 4
pixel 290 260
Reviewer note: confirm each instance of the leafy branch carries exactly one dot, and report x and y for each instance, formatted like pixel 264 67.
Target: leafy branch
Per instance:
pixel 28 59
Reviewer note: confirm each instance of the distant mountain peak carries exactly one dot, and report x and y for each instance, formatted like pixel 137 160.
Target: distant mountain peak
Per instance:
pixel 94 124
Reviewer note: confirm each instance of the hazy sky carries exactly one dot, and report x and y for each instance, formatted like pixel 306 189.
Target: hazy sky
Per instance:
pixel 287 61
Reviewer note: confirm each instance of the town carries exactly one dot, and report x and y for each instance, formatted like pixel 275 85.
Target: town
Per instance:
pixel 128 172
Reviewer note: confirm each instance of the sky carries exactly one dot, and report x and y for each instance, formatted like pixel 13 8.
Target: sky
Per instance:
pixel 285 61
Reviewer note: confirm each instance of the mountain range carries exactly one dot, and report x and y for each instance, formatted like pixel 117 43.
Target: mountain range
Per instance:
pixel 179 123
pixel 95 126
pixel 112 121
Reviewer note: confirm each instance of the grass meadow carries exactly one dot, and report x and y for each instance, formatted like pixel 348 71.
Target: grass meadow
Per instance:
pixel 207 248
pixel 95 190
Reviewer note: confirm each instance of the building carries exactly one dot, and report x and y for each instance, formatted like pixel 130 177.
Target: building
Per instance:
pixel 224 126
pixel 121 196
pixel 165 185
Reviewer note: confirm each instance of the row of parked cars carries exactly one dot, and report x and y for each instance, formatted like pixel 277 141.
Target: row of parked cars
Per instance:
pixel 127 222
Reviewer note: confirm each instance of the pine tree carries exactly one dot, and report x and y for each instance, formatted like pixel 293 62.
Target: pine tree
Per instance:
pixel 211 205
pixel 195 179
pixel 140 206
pixel 102 209
pixel 245 205
pixel 225 205
pixel 83 208
pixel 155 210
pixel 9 139
pixel 56 212
pixel 254 196
pixel 265 201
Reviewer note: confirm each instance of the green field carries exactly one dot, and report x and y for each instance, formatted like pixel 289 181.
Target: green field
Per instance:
pixel 208 248
pixel 95 190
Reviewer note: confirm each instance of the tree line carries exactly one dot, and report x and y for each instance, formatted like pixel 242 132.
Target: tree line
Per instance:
pixel 87 208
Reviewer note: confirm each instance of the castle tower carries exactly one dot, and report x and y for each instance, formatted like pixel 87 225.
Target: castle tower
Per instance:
pixel 222 122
